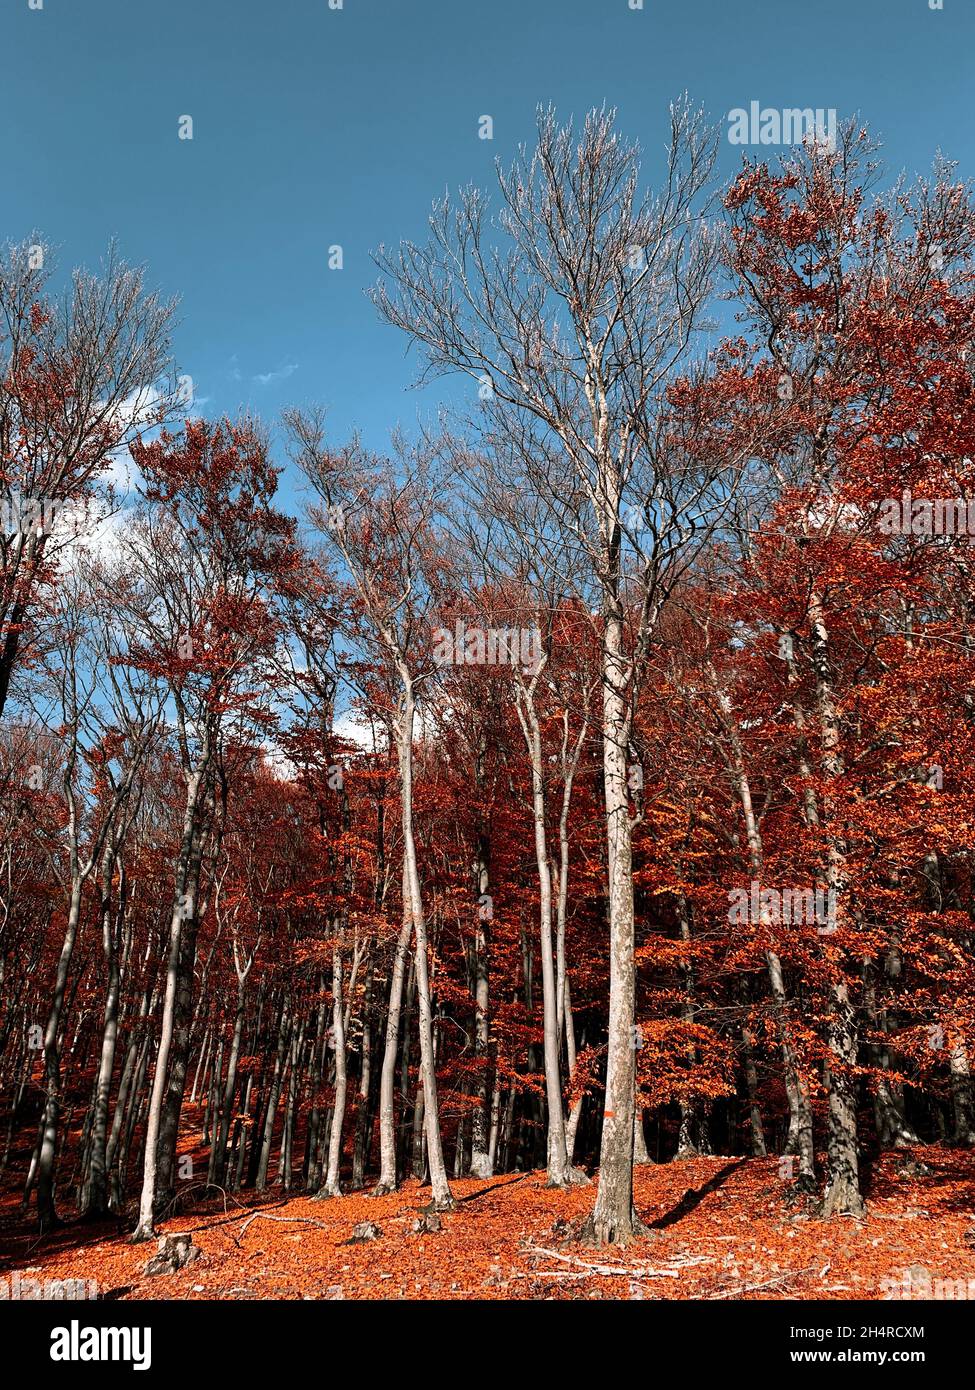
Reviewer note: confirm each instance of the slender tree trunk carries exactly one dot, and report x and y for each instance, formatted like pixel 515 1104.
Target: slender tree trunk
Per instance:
pixel 46 1213
pixel 96 1200
pixel 495 1119
pixel 559 1173
pixel 893 1131
pixel 312 1168
pixel 575 1114
pixel 274 1095
pixel 166 1162
pixel 332 1186
pixel 800 1137
pixel 184 906
pixel 363 1119
pixel 387 1077
pixel 219 1166
pixel 843 1181
pixel 481 1165
pixel 442 1196
pixel 961 1095
pixel 751 1085
pixel 640 1155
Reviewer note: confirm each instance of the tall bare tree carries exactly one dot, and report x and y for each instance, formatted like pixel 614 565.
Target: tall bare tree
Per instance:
pixel 572 311
pixel 383 524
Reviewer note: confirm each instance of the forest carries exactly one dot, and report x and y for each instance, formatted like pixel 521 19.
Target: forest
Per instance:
pixel 575 798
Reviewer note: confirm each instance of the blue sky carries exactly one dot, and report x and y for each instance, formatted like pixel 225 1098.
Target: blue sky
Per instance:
pixel 315 127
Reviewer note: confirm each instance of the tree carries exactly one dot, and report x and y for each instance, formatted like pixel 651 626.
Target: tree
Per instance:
pixel 80 377
pixel 206 553
pixel 383 529
pixel 574 331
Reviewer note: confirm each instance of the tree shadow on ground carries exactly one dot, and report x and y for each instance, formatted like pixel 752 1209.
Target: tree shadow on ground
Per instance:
pixel 694 1196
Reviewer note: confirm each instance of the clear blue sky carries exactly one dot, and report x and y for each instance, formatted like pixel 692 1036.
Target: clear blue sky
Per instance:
pixel 315 126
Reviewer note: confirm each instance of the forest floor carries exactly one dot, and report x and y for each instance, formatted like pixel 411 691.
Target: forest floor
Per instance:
pixel 720 1228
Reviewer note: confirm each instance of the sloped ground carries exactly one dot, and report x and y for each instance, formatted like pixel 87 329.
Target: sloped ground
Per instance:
pixel 720 1228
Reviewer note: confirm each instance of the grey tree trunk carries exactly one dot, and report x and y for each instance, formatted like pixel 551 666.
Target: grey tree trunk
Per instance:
pixel 481 1165
pixel 179 1053
pixel 559 1172
pixel 96 1195
pixel 800 1136
pixel 387 1077
pixel 575 1114
pixel 842 1194
pixel 219 1163
pixel 363 1120
pixel 641 1156
pixel 442 1195
pixel 614 1218
pixel 274 1095
pixel 184 906
pixel 890 1118
pixel 961 1095
pixel 46 1213
pixel 332 1186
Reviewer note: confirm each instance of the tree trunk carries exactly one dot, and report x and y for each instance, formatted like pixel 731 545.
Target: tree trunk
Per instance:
pixel 442 1196
pixel 363 1119
pixel 387 1077
pixel 842 1194
pixel 184 907
pixel 800 1137
pixel 332 1186
pixel 46 1213
pixel 614 1218
pixel 96 1197
pixel 179 1053
pixel 481 1164
pixel 559 1173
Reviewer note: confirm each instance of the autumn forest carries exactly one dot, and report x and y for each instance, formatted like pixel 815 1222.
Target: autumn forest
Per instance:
pixel 550 836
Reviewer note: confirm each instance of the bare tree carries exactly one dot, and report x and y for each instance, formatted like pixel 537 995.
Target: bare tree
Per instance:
pixel 104 725
pixel 519 582
pixel 382 526
pixel 573 311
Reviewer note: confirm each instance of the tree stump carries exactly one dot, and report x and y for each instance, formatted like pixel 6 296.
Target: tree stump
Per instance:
pixel 427 1223
pixel 172 1253
pixel 366 1230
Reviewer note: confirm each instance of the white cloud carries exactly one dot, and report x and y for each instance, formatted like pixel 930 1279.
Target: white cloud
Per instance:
pixel 279 374
pixel 137 412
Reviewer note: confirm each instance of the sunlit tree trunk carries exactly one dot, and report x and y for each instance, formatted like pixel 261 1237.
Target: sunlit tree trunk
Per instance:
pixel 332 1186
pixel 184 906
pixel 442 1196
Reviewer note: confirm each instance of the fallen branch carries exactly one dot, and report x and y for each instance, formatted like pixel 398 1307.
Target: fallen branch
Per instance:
pixel 783 1278
pixel 229 1220
pixel 306 1220
pixel 634 1272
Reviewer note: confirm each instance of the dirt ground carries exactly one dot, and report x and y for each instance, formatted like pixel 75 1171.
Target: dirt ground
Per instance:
pixel 720 1228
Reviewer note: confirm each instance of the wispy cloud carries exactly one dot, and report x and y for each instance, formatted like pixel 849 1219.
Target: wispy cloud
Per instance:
pixel 279 374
